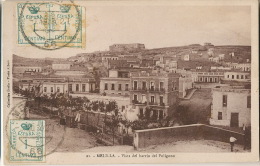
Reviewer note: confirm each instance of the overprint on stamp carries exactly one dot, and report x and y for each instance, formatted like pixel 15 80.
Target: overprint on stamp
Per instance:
pixel 50 25
pixel 27 139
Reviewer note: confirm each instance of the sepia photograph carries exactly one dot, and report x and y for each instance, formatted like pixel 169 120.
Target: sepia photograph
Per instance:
pixel 119 80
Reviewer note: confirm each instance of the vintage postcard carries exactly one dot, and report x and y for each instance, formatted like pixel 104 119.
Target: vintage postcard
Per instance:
pixel 114 82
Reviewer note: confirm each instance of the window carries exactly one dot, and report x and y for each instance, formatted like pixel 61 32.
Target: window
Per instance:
pixel 144 85
pixel 126 87
pixel 51 89
pixel 70 87
pixel 45 89
pixel 161 85
pixel 152 99
pixel 106 87
pixel 161 100
pixel 248 101
pixel 135 85
pixel 237 76
pixel 83 87
pixel 227 76
pixel 173 86
pixel 242 76
pixel 112 86
pixel 152 86
pixel 77 87
pixel 58 89
pixel 224 100
pixel 143 98
pixel 135 97
pixel 219 115
pixel 155 114
pixel 233 76
pixel 161 114
pixel 119 87
pixel 141 112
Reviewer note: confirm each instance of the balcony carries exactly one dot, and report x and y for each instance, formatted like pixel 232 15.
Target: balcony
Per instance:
pixel 153 104
pixel 139 89
pixel 157 90
pixel 136 102
pixel 162 104
pixel 157 104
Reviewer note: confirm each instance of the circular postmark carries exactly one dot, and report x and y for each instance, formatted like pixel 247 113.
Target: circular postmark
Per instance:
pixel 29 139
pixel 49 25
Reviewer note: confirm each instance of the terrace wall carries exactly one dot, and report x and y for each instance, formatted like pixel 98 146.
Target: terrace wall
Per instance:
pixel 145 138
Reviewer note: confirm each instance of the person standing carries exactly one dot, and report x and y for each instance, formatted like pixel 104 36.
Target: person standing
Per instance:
pixel 232 141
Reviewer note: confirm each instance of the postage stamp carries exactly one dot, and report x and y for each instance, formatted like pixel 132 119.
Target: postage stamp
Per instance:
pixel 50 25
pixel 27 139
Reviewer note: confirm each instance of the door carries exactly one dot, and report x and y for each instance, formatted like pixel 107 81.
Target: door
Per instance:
pixel 234 120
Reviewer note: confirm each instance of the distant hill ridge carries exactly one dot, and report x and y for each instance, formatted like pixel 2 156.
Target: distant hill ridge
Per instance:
pixel 241 52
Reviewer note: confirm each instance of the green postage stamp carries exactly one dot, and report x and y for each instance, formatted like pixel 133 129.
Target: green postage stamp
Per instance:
pixel 50 25
pixel 27 140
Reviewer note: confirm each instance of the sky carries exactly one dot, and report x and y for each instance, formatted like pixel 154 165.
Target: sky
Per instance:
pixel 156 27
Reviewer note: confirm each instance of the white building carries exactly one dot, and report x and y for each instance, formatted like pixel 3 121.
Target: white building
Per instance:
pixel 186 57
pixel 240 66
pixel 221 56
pixel 231 106
pixel 214 59
pixel 106 58
pixel 58 85
pixel 237 76
pixel 23 69
pixel 219 68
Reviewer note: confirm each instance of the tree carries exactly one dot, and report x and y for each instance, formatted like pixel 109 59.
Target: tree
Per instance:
pixel 86 105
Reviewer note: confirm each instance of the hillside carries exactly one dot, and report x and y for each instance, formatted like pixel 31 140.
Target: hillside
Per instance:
pixel 22 61
pixel 242 53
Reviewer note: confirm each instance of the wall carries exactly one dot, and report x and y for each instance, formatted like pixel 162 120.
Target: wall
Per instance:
pixel 185 83
pixel 145 138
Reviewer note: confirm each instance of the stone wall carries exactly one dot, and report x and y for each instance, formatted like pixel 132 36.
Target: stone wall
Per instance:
pixel 145 138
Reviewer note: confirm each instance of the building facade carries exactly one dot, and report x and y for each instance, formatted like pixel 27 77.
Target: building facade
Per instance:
pixel 237 76
pixel 208 77
pixel 117 83
pixel 152 94
pixel 231 106
pixel 58 85
pixel 23 69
